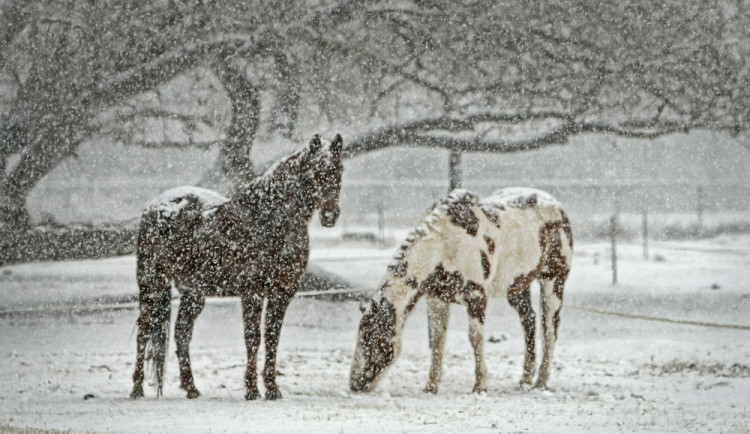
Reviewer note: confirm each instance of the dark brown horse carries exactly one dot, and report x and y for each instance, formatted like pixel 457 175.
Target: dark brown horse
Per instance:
pixel 254 246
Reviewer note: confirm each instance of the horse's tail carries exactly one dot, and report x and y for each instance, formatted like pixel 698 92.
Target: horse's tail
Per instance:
pixel 155 304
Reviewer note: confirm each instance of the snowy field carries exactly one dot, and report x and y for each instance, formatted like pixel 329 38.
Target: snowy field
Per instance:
pixel 611 373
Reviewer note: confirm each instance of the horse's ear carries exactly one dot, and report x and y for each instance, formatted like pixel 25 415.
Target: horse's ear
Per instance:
pixel 337 144
pixel 315 144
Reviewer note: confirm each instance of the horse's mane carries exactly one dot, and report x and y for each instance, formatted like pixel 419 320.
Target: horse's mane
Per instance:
pixel 437 212
pixel 266 186
pixel 273 176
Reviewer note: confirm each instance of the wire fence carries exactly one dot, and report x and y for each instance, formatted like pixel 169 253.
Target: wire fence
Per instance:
pixel 671 209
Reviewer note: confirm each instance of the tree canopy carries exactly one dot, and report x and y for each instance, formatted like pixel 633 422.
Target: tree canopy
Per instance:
pixel 498 76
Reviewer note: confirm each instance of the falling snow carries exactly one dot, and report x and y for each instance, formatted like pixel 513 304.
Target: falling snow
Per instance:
pixel 634 115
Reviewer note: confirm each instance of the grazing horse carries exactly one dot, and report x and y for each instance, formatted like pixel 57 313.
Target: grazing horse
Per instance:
pixel 254 246
pixel 466 250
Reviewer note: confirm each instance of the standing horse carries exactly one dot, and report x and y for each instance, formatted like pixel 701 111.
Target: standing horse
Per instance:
pixel 254 246
pixel 466 250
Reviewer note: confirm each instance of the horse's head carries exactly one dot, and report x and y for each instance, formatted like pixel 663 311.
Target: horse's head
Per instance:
pixel 377 345
pixel 325 168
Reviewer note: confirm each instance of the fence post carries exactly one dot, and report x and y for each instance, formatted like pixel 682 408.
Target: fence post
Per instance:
pixel 381 225
pixel 699 206
pixel 645 233
pixel 613 239
pixel 454 170
pixel 454 181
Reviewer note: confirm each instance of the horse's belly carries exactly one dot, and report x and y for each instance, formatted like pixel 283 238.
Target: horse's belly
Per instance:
pixel 517 255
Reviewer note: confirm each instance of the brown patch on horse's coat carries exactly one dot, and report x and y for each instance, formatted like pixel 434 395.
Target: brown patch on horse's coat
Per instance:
pixel 451 287
pixel 490 245
pixel 485 264
pixel 379 327
pixel 549 236
pixel 524 202
pixel 462 216
pixel 555 266
pixel 398 268
pixel 551 262
pixel 475 298
pixel 443 285
pixel 413 300
pixel 492 216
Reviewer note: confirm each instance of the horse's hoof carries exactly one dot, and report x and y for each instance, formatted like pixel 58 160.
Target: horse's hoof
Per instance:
pixel 252 396
pixel 192 394
pixel 431 389
pixel 273 395
pixel 136 393
pixel 525 384
pixel 479 390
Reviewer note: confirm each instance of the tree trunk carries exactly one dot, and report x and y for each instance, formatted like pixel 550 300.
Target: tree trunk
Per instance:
pixel 234 163
pixel 454 170
pixel 39 155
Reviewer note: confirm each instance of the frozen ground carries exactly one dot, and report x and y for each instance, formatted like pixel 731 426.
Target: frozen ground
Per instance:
pixel 611 373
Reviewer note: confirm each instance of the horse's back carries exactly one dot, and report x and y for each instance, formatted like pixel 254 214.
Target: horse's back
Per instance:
pixel 172 202
pixel 170 223
pixel 525 222
pixel 525 198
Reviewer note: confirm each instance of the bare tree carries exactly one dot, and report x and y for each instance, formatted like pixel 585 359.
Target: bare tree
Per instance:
pixel 505 78
pixel 475 76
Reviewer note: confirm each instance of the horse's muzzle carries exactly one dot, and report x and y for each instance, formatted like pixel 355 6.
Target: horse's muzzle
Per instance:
pixel 359 385
pixel 328 217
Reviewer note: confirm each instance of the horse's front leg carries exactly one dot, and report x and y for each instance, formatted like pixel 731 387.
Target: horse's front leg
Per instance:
pixel 191 304
pixel 476 304
pixel 252 308
pixel 275 310
pixel 521 302
pixel 438 314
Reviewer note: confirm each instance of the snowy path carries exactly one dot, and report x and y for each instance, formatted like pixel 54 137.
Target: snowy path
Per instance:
pixel 611 374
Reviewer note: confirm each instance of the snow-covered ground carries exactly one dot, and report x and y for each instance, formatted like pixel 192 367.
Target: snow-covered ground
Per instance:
pixel 611 373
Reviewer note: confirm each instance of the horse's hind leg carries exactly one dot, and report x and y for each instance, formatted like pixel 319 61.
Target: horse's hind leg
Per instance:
pixel 191 304
pixel 439 313
pixel 521 302
pixel 160 337
pixel 148 299
pixel 552 291
pixel 252 308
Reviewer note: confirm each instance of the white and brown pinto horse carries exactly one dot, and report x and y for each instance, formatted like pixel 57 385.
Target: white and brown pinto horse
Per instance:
pixel 254 246
pixel 465 251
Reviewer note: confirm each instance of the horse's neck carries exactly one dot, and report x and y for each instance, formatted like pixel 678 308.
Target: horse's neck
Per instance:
pixel 275 198
pixel 402 293
pixel 411 266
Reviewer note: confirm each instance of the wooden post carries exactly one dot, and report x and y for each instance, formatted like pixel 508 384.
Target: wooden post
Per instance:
pixel 454 170
pixel 613 239
pixel 454 182
pixel 645 233
pixel 699 207
pixel 381 225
